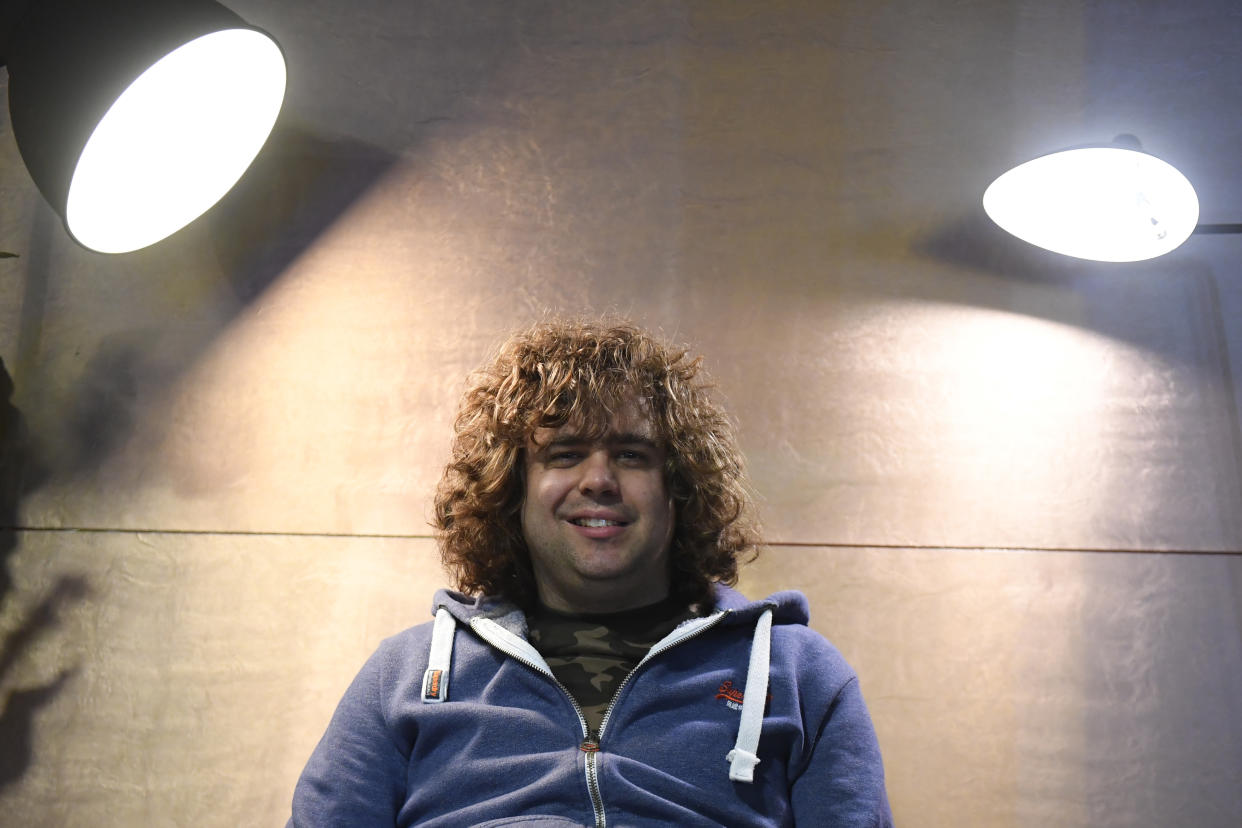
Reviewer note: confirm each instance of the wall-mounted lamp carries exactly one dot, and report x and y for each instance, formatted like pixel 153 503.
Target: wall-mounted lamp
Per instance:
pixel 1110 203
pixel 136 116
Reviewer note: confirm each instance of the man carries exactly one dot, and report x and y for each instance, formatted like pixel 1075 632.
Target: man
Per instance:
pixel 601 671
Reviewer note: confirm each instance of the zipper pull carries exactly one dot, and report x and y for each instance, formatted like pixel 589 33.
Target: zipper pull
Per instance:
pixel 589 746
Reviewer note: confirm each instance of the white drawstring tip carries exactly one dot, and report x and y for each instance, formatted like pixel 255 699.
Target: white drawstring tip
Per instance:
pixel 742 765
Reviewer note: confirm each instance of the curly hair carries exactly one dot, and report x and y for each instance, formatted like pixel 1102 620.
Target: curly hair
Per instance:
pixel 562 371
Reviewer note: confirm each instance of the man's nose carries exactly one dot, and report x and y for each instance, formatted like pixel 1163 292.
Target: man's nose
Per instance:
pixel 598 475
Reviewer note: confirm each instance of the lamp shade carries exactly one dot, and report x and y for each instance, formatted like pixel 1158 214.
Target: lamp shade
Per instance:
pixel 136 116
pixel 1109 204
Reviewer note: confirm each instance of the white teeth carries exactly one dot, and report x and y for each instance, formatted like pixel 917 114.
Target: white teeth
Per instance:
pixel 596 522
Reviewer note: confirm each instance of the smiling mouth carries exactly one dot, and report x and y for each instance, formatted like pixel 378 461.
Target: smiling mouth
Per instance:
pixel 596 523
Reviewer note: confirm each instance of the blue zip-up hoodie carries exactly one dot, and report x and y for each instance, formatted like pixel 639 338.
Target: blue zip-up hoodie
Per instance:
pixel 460 722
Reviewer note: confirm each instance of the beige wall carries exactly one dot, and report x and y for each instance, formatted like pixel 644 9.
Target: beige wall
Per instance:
pixel 1009 483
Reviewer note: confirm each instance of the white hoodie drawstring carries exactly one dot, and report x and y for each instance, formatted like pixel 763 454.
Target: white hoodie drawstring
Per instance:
pixel 436 679
pixel 744 756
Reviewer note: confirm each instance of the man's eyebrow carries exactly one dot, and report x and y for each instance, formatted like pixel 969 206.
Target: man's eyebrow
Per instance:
pixel 626 438
pixel 630 438
pixel 562 440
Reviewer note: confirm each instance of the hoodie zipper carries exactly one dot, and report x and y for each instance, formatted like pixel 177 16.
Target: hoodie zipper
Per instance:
pixel 660 647
pixel 588 746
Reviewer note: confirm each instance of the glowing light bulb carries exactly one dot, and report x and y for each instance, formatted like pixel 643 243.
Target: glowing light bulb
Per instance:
pixel 176 140
pixel 1101 203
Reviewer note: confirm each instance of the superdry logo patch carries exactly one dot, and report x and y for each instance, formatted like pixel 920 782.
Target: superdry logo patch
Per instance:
pixel 731 695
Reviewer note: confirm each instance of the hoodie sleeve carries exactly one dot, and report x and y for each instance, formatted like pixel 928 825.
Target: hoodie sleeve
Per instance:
pixel 843 785
pixel 356 775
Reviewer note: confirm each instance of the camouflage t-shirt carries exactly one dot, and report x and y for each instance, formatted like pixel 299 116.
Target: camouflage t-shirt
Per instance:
pixel 592 654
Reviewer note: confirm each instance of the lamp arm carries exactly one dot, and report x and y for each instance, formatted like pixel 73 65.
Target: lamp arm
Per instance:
pixel 1216 229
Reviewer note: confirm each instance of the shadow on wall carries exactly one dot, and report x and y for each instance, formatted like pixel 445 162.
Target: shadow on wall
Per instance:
pixel 101 411
pixel 973 242
pixel 1119 300
pixel 295 190
pixel 20 473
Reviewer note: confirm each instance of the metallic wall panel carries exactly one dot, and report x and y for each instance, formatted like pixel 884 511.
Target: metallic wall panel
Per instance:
pixel 797 202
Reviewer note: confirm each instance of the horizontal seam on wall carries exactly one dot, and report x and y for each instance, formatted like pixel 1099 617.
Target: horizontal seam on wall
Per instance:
pixel 773 544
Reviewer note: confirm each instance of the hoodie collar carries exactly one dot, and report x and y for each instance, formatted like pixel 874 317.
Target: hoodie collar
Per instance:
pixel 788 607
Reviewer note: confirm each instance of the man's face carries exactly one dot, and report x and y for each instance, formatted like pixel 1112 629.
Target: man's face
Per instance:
pixel 597 515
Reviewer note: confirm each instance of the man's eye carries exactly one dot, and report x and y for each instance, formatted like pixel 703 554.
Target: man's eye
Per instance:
pixel 632 456
pixel 563 456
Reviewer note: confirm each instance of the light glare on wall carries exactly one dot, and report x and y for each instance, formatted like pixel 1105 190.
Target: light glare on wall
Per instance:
pixel 1107 204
